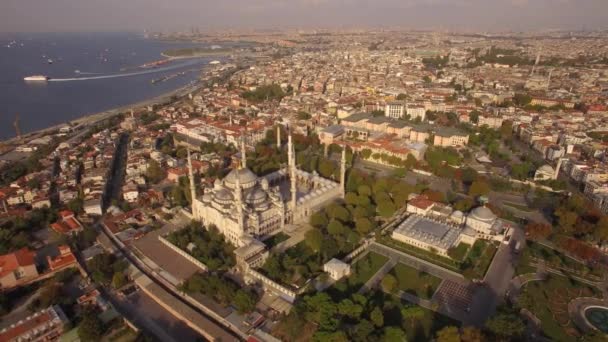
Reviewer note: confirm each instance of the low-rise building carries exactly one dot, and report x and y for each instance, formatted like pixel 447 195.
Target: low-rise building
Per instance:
pixel 42 326
pixel 17 268
pixel 337 269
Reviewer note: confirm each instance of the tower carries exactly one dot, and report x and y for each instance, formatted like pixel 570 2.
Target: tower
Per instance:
pixel 343 172
pixel 558 167
pixel 292 172
pixel 239 200
pixel 279 137
pixel 243 153
pixel 192 187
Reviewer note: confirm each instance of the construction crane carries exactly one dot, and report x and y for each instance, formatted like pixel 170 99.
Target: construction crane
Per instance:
pixel 16 125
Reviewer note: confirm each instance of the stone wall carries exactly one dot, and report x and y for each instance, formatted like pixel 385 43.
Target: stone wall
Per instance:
pixel 183 253
pixel 284 292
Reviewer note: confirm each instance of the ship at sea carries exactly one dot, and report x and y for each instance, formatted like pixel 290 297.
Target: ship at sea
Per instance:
pixel 37 78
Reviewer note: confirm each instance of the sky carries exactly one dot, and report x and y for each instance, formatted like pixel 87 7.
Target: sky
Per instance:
pixel 174 15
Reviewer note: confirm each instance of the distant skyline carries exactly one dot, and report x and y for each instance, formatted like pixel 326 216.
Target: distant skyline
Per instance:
pixel 175 15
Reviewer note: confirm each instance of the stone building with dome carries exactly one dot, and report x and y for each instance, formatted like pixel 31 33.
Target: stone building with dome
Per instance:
pixel 247 209
pixel 485 223
pixel 439 230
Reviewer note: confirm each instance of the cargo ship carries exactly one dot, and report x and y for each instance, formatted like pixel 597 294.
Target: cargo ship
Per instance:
pixel 36 78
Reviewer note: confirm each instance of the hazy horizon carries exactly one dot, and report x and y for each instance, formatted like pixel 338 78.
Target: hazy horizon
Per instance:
pixel 161 15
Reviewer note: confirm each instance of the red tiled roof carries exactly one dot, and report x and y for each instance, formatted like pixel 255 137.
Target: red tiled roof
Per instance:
pixel 421 202
pixel 64 259
pixel 10 262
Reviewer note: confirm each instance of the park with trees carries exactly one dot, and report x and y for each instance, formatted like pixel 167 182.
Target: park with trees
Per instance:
pixel 207 245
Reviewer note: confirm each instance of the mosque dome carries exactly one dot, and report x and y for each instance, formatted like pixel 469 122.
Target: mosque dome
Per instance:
pixel 482 214
pixel 246 177
pixel 223 195
pixel 256 195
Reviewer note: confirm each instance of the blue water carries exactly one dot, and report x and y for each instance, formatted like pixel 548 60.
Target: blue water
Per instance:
pixel 108 76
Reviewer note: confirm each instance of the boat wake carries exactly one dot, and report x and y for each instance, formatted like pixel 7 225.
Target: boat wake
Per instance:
pixel 151 71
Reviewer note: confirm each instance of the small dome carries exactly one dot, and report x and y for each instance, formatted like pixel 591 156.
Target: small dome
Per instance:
pixel 457 214
pixel 223 195
pixel 483 214
pixel 546 169
pixel 255 195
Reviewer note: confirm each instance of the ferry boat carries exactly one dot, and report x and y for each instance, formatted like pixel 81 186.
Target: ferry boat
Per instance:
pixel 37 78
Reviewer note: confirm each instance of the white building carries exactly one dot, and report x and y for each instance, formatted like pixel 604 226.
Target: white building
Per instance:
pixel 416 111
pixel 336 269
pixel 394 110
pixel 430 234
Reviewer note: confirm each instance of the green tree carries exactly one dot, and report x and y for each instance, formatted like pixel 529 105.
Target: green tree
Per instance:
pixel 362 331
pixel 377 317
pixel 601 229
pixel 119 280
pixel 479 188
pixel 154 173
pixel 244 301
pixel 363 225
pixel 386 208
pixel 506 325
pixel 90 327
pixel 349 309
pixel 393 334
pixel 464 204
pixel 474 116
pixel 522 99
pixel 472 334
pixel 319 219
pixel 335 228
pixel 76 205
pixel 314 239
pixel 326 168
pixel 449 334
pixel 338 212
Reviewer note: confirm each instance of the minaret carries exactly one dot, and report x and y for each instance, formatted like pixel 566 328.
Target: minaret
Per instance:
pixel 343 171
pixel 558 167
pixel 192 187
pixel 239 200
pixel 279 137
pixel 243 153
pixel 292 172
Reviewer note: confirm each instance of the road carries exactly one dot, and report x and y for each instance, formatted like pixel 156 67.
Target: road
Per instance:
pixel 148 313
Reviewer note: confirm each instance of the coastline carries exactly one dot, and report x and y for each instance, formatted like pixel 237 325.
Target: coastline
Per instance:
pixel 91 119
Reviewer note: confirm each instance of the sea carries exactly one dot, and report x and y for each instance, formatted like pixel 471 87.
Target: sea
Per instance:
pixel 90 73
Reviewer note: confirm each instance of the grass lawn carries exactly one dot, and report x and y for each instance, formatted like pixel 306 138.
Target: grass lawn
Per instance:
pixel 556 259
pixel 479 259
pixel 361 271
pixel 460 251
pixel 549 299
pixel 410 280
pixel 519 207
pixel 275 239
pixel 420 253
pixel 523 267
